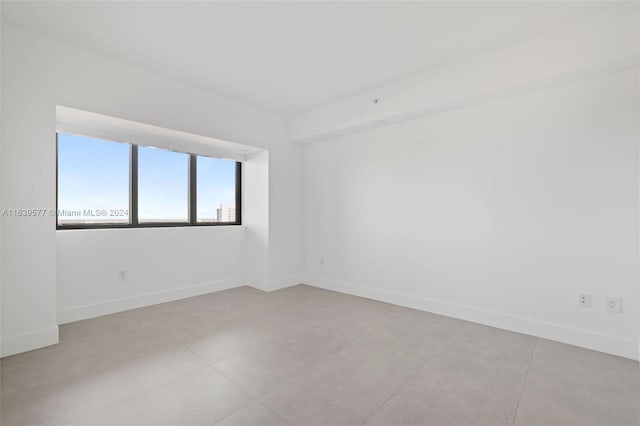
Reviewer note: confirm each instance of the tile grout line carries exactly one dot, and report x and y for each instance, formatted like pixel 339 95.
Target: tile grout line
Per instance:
pixel 256 399
pixel 251 396
pixel 402 385
pixel 196 354
pixel 71 421
pixel 172 342
pixel 427 361
pixel 375 340
pixel 524 382
pixel 248 348
pixel 210 365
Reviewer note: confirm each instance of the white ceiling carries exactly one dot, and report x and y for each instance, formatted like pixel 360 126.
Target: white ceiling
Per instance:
pixel 289 56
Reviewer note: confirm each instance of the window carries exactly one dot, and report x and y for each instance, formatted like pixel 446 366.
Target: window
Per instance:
pixel 106 184
pixel 93 181
pixel 163 186
pixel 216 190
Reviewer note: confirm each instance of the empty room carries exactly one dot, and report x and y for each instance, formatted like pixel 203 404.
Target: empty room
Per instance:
pixel 319 213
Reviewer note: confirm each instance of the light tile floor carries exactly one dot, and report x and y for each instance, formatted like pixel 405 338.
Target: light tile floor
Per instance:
pixel 305 356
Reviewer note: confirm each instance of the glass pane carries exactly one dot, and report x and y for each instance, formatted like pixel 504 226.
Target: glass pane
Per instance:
pixel 93 181
pixel 163 185
pixel 216 190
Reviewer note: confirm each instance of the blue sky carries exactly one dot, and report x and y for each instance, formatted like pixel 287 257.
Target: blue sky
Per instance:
pixel 216 185
pixel 94 174
pixel 163 185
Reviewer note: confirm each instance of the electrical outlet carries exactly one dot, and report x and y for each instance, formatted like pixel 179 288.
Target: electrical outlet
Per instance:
pixel 584 300
pixel 123 276
pixel 613 304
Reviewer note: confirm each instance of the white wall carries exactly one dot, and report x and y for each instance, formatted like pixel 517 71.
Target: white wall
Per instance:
pixel 37 75
pixel 255 215
pixel 162 264
pixel 596 43
pixel 499 213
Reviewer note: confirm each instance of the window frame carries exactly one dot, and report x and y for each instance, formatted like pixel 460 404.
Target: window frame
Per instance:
pixel 192 201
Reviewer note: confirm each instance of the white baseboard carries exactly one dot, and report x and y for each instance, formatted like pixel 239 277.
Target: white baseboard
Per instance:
pixel 272 285
pixel 93 310
pixel 547 330
pixel 29 341
pixel 38 339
